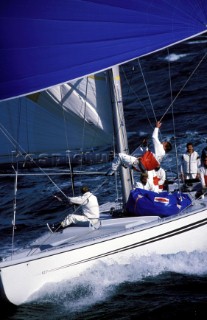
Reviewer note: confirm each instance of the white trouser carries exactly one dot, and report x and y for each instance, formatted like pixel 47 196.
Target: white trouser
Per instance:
pixel 125 160
pixel 75 218
pixel 190 175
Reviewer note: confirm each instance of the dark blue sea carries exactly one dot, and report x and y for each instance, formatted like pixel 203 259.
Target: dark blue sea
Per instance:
pixel 170 85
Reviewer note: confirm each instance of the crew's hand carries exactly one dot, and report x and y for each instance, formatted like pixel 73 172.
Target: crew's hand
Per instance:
pixel 158 124
pixel 145 142
pixel 198 176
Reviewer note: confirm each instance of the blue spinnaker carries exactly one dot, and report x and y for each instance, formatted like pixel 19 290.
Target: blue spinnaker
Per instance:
pixel 45 43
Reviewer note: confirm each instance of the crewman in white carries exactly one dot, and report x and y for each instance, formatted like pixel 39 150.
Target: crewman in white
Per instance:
pixel 190 163
pixel 90 208
pixel 203 173
pixel 157 177
pixel 148 161
pixel 90 211
pixel 144 183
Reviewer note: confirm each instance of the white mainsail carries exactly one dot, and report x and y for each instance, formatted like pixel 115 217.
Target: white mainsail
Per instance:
pixel 75 116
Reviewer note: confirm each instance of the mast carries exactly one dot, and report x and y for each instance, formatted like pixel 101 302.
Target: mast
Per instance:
pixel 120 131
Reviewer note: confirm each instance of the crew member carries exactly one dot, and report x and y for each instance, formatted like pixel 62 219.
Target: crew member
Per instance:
pixel 148 161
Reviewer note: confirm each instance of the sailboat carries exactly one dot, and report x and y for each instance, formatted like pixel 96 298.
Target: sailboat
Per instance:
pixel 88 36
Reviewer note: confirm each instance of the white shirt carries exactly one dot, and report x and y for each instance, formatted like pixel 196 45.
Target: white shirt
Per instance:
pixel 161 175
pixel 159 151
pixel 148 186
pixel 203 174
pixel 189 165
pixel 89 202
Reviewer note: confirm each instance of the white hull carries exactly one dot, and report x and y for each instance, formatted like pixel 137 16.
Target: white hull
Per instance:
pixel 66 255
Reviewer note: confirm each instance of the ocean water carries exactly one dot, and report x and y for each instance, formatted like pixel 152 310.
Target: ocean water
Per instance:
pixel 155 287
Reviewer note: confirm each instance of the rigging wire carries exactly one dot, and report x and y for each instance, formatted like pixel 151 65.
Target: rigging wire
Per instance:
pixel 173 119
pixel 136 95
pixel 172 100
pixel 22 152
pixel 147 89
pixel 15 208
pixel 192 73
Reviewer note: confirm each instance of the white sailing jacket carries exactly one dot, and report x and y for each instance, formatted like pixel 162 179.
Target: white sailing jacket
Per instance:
pixel 190 164
pixel 159 151
pixel 89 202
pixel 203 176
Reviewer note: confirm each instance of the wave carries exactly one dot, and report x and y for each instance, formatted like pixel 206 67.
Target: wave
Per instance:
pixel 87 289
pixel 175 57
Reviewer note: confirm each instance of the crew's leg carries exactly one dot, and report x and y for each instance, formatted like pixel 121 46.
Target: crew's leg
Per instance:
pixel 115 165
pixel 73 218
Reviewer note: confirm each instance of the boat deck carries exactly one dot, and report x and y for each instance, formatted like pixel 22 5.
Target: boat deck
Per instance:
pixel 106 227
pixel 78 235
